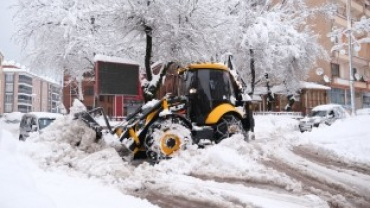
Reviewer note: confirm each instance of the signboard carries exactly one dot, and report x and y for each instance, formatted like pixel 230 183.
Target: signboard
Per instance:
pixel 117 78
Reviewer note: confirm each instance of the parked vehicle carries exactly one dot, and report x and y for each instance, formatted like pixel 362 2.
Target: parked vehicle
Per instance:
pixel 35 122
pixel 322 114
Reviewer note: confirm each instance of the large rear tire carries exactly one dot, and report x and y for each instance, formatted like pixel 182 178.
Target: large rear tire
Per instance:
pixel 229 125
pixel 166 137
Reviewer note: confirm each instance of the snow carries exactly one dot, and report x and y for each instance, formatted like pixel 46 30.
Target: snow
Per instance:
pixel 46 115
pixel 281 89
pixel 51 170
pixel 347 138
pixel 13 116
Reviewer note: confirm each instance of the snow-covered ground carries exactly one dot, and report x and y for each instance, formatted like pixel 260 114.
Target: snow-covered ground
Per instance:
pixel 327 167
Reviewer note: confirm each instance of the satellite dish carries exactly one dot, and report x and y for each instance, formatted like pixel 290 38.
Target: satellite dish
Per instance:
pixel 319 71
pixel 357 76
pixel 366 78
pixel 326 79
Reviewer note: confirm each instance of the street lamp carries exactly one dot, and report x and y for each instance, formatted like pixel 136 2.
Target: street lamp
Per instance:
pixel 349 29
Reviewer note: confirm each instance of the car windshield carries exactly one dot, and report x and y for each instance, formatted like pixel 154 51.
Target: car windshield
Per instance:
pixel 44 122
pixel 317 113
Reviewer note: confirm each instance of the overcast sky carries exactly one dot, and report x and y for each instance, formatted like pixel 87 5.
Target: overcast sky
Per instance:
pixel 8 48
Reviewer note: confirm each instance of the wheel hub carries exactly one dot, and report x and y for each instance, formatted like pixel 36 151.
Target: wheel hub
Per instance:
pixel 169 143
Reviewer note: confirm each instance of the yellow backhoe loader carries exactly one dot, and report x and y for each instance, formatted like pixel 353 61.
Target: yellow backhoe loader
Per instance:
pixel 210 107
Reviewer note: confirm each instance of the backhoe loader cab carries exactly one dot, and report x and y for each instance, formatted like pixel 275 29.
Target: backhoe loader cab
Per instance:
pixel 214 101
pixel 206 86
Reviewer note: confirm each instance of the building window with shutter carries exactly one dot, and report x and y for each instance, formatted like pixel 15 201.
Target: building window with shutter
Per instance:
pixel 335 70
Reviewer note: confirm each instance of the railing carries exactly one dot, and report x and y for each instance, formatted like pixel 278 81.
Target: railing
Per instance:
pixel 291 114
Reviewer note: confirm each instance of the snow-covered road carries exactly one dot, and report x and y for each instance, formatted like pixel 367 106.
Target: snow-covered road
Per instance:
pixel 328 167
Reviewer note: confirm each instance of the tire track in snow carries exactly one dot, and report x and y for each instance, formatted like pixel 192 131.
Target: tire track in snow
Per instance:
pixel 256 183
pixel 170 201
pixel 315 156
pixel 329 184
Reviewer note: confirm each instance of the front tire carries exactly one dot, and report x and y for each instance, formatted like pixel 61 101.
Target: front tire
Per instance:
pixel 166 137
pixel 229 125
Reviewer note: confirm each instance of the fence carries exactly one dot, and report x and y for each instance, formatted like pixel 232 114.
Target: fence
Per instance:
pixel 291 114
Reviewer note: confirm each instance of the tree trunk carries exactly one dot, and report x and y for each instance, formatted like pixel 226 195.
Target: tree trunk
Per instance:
pixel 253 70
pixel 290 104
pixel 148 52
pixel 270 97
pixel 148 69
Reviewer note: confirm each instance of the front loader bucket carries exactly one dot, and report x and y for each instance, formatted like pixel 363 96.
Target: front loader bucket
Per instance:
pixel 87 117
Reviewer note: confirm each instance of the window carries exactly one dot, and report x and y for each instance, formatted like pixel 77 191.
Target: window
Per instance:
pixel 335 70
pixel 89 91
pixel 8 108
pixel 25 79
pixel 337 96
pixel 9 77
pixel 9 98
pixel 9 87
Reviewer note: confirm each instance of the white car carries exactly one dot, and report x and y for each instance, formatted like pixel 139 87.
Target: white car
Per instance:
pixel 35 122
pixel 322 114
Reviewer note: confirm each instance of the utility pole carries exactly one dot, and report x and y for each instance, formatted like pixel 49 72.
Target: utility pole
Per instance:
pixel 349 28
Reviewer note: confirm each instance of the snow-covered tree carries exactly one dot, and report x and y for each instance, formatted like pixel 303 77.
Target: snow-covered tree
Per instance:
pixel 275 39
pixel 169 31
pixel 361 26
pixel 67 33
pixel 263 37
pixel 60 35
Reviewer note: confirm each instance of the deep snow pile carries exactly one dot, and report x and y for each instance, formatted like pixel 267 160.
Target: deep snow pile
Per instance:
pixel 24 184
pixel 70 144
pixel 348 139
pixel 68 151
pixel 10 122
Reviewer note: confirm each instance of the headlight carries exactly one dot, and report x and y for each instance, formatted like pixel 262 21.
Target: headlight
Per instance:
pixel 192 91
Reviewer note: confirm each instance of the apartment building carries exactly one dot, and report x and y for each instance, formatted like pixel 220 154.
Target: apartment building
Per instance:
pixel 23 91
pixel 336 73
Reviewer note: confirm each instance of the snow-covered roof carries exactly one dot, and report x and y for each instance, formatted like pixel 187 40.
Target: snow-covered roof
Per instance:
pixel 325 107
pixel 45 115
pixel 280 89
pixel 114 59
pixel 313 85
pixel 11 66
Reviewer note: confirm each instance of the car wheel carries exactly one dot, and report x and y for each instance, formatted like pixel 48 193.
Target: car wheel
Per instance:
pixel 316 125
pixel 21 138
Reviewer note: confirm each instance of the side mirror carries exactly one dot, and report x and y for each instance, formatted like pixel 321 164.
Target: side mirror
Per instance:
pixel 34 127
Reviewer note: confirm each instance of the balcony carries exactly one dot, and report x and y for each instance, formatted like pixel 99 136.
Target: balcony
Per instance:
pixel 344 58
pixel 358 7
pixel 345 82
pixel 25 91
pixel 25 80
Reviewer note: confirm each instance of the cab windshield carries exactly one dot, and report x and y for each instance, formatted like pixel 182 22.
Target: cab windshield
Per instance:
pixel 44 122
pixel 214 84
pixel 207 88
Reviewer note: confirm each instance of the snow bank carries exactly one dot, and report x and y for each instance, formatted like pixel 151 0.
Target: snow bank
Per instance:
pixel 273 127
pixel 13 117
pixel 70 144
pixel 23 184
pixel 348 139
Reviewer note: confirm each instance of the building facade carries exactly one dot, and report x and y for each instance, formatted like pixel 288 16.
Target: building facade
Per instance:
pixel 23 91
pixel 336 73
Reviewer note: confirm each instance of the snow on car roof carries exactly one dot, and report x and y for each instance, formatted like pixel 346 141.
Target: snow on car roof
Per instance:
pixel 325 107
pixel 45 114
